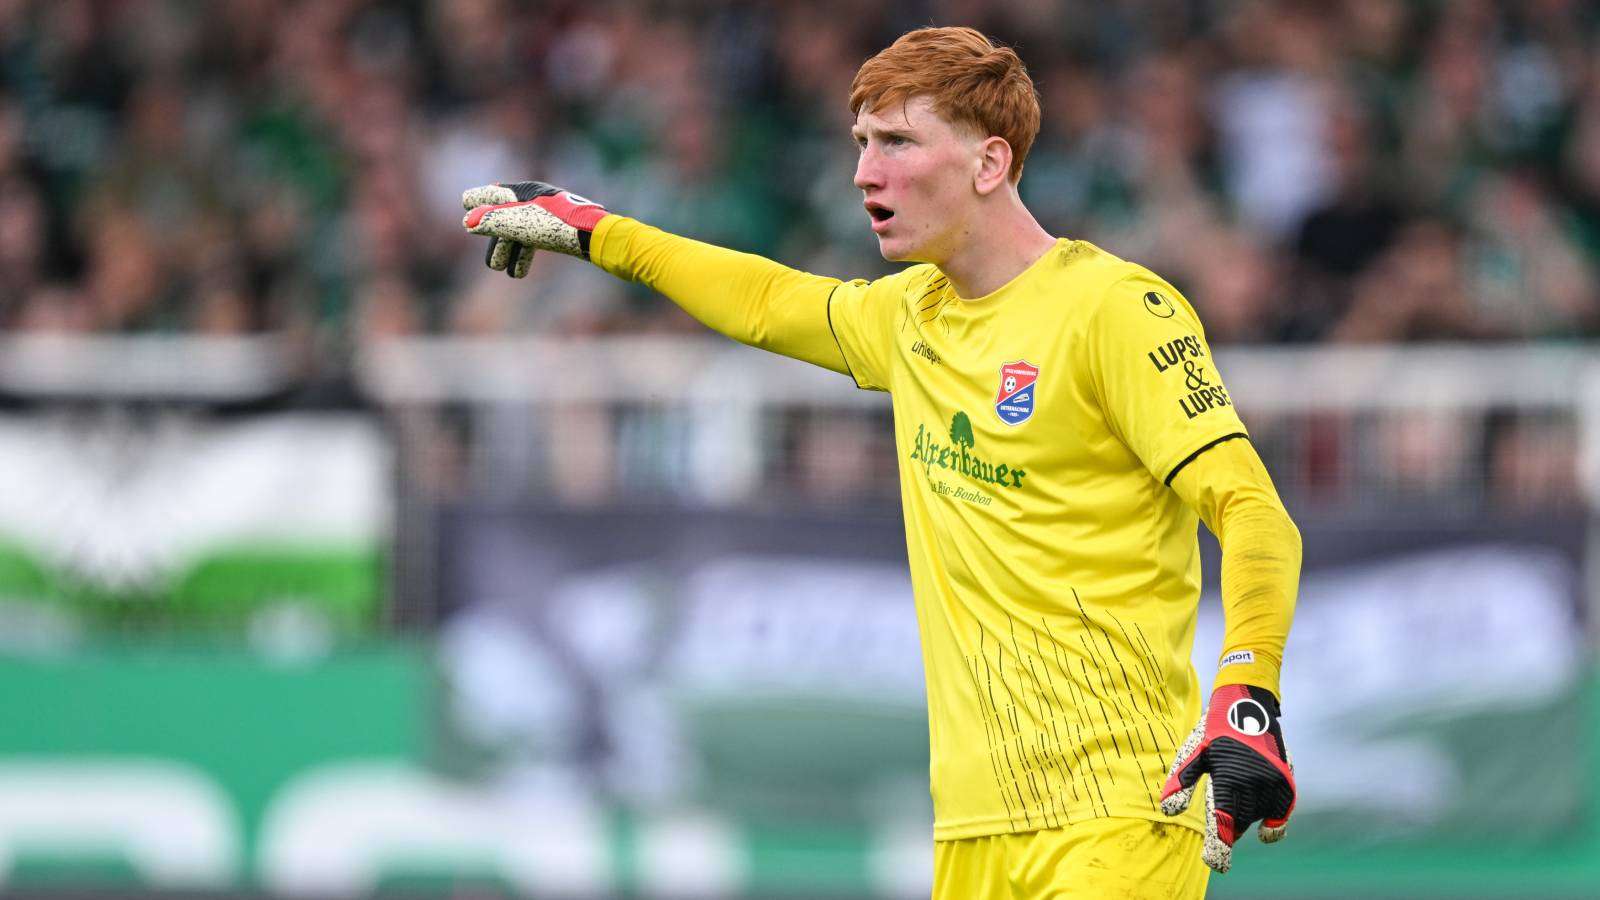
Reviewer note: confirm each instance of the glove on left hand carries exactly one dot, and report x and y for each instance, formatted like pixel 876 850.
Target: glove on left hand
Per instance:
pixel 1239 743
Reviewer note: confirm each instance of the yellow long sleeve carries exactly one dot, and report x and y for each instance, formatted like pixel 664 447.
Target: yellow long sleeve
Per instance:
pixel 1230 489
pixel 749 298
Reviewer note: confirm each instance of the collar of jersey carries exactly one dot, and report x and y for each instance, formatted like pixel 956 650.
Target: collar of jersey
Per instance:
pixel 987 300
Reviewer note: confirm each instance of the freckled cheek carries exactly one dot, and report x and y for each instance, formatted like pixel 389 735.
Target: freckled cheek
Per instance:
pixel 928 205
pixel 920 198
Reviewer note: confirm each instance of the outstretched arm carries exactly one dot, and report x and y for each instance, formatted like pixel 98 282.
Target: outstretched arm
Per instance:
pixel 749 298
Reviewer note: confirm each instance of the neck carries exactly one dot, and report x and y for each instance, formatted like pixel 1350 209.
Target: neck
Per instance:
pixel 1008 242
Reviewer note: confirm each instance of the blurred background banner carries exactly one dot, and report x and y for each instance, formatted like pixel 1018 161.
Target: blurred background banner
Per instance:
pixel 126 519
pixel 334 564
pixel 722 648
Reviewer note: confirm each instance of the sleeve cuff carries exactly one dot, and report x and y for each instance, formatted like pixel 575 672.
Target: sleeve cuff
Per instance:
pixel 1261 672
pixel 608 245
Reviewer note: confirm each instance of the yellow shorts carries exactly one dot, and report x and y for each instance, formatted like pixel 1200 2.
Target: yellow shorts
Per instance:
pixel 1126 859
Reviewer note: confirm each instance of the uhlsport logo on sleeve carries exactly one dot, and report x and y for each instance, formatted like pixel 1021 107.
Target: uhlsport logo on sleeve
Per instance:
pixel 1018 380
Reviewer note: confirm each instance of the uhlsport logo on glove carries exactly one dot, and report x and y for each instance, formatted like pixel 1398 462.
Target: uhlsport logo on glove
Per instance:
pixel 1249 717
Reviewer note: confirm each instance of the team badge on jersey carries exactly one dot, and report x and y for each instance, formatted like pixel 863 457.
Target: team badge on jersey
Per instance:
pixel 1014 404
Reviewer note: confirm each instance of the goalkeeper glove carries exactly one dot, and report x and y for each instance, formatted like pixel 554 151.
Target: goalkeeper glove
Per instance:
pixel 1240 745
pixel 525 216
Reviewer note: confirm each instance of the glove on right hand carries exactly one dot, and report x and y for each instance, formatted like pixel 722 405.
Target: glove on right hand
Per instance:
pixel 525 216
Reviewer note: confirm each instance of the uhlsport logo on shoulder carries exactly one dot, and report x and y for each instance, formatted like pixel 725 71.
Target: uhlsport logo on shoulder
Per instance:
pixel 1014 404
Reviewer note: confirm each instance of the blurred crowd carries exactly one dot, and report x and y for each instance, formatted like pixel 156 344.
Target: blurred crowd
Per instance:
pixel 1348 170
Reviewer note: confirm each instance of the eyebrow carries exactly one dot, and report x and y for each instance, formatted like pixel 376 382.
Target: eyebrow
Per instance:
pixel 857 132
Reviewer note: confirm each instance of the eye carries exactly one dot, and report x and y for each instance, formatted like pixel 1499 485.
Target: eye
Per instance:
pixel 897 140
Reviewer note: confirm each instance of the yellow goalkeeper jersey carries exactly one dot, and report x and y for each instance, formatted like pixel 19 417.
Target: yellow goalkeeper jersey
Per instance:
pixel 1056 576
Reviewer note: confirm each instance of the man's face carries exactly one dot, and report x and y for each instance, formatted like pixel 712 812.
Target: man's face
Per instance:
pixel 916 178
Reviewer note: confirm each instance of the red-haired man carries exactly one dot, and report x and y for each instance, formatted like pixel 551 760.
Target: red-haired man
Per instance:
pixel 1062 427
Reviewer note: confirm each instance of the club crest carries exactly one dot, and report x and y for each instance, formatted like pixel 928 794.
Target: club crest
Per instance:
pixel 1014 403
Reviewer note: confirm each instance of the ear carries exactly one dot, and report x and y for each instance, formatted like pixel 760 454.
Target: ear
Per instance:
pixel 994 165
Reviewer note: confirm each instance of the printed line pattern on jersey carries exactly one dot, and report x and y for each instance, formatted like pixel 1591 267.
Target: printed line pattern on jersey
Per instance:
pixel 928 310
pixel 1131 713
pixel 1085 695
pixel 1093 707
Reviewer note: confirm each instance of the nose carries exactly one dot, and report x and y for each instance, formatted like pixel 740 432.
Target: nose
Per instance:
pixel 868 175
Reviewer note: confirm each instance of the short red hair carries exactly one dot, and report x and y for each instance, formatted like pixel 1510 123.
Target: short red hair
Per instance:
pixel 969 79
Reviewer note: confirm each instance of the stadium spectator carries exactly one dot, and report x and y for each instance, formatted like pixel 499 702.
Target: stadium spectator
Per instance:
pixel 1355 170
pixel 1311 134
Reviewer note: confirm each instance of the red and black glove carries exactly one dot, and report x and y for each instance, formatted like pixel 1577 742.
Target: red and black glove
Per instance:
pixel 1239 743
pixel 525 216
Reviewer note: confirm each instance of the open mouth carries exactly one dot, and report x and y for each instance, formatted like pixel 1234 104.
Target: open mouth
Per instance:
pixel 879 212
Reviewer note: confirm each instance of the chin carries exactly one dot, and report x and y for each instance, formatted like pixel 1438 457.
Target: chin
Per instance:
pixel 897 251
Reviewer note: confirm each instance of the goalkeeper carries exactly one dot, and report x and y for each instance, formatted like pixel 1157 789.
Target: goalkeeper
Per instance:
pixel 1062 428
